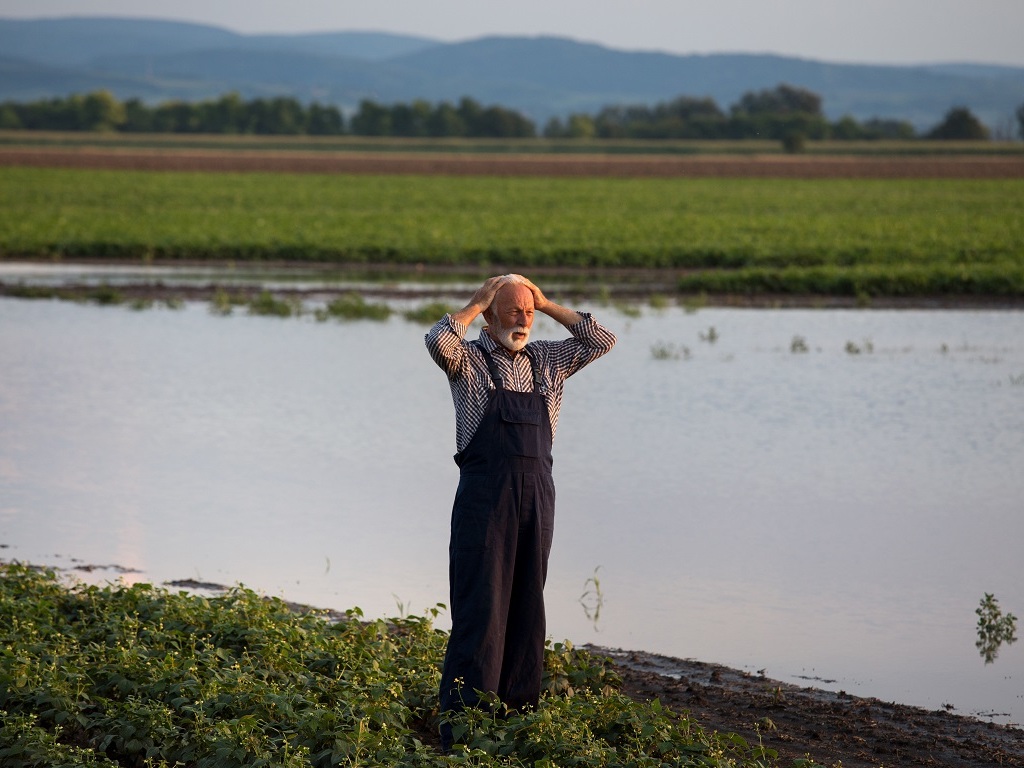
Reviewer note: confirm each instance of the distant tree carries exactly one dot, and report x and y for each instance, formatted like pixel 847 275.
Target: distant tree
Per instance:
pixel 959 124
pixel 469 111
pixel 847 129
pixel 228 114
pixel 554 128
pixel 410 119
pixel 500 123
pixel 878 128
pixel 138 118
pixel 576 126
pixel 445 120
pixel 580 127
pixel 100 111
pixel 9 119
pixel 175 117
pixel 1020 120
pixel 781 100
pixel 325 121
pixel 372 119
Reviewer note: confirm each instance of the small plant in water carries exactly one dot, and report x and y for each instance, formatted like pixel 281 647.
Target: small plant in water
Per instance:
pixel 798 345
pixel 663 350
pixel 658 301
pixel 710 335
pixel 629 310
pixel 853 348
pixel 268 304
pixel 995 628
pixel 352 306
pixel 428 314
pixel 223 302
pixel 692 303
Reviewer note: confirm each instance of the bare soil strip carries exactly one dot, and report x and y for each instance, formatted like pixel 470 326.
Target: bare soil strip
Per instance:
pixel 652 166
pixel 831 727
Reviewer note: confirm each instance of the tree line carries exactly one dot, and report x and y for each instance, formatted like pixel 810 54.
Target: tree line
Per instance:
pixel 786 113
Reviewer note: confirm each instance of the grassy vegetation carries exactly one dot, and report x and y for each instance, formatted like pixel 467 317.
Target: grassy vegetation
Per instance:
pixel 107 677
pixel 852 237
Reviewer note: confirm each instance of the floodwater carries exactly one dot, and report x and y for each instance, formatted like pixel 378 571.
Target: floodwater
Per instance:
pixel 831 516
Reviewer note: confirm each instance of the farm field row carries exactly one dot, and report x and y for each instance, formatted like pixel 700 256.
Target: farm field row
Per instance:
pixel 846 236
pixel 462 146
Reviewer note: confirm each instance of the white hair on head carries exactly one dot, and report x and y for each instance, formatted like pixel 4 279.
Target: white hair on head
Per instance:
pixel 515 279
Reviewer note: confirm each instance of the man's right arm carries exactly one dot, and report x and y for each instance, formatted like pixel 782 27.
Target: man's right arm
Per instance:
pixel 444 342
pixel 445 339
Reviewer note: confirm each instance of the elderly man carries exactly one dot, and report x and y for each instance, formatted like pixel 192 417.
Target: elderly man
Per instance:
pixel 507 392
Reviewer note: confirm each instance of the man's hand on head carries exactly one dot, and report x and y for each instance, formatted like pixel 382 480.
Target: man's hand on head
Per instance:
pixel 540 301
pixel 481 301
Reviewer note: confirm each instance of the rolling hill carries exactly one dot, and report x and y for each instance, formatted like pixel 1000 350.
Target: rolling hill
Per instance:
pixel 539 76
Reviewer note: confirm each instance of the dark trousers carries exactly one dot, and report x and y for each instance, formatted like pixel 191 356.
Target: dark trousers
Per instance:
pixel 502 527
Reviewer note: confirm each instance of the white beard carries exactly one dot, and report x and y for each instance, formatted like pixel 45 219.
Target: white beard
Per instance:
pixel 505 337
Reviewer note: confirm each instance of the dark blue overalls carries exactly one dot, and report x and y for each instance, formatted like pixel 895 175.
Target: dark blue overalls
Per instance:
pixel 502 524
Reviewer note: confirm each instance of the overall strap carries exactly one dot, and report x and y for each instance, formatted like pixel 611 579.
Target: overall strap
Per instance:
pixel 538 374
pixel 493 368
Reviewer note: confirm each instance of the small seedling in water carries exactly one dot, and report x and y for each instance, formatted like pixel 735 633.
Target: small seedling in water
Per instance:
pixel 663 350
pixel 798 345
pixel 855 349
pixel 994 628
pixel 658 301
pixel 710 335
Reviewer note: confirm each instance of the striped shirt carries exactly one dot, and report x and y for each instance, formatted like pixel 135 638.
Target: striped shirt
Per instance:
pixel 470 379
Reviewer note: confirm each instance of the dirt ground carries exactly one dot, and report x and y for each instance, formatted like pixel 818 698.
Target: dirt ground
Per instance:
pixel 831 728
pixel 650 166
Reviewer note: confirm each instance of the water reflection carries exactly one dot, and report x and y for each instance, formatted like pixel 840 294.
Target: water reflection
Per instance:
pixel 995 628
pixel 592 599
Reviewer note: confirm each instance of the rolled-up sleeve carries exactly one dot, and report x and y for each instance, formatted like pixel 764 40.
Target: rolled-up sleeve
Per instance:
pixel 445 343
pixel 590 340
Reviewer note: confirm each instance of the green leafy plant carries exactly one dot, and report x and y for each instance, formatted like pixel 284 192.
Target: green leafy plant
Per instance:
pixel 265 303
pixel 352 306
pixel 113 676
pixel 710 335
pixel 427 314
pixel 664 350
pixel 995 629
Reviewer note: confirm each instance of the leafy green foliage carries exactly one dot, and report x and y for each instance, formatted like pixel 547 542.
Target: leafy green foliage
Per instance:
pixel 139 676
pixel 352 306
pixel 995 628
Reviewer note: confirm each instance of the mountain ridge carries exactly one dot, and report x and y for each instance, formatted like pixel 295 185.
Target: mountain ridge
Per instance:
pixel 541 76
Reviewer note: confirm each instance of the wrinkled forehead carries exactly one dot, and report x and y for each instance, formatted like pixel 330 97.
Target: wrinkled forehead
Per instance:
pixel 513 296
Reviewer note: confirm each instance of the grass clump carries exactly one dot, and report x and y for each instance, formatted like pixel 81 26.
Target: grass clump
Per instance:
pixel 266 304
pixel 427 314
pixel 139 676
pixel 353 306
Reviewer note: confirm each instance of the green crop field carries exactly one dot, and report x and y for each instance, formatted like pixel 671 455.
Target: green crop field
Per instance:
pixel 880 237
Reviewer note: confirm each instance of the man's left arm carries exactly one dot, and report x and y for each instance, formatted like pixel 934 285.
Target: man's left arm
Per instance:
pixel 590 340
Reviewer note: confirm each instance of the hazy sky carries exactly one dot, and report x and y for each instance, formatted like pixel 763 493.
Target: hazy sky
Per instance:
pixel 871 31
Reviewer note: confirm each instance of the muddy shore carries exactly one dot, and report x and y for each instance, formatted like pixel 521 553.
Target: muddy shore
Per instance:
pixel 831 727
